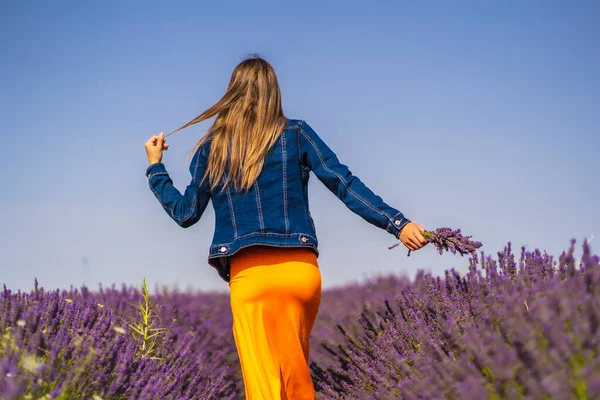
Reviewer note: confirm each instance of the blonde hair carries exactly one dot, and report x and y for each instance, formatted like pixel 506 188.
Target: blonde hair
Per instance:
pixel 249 121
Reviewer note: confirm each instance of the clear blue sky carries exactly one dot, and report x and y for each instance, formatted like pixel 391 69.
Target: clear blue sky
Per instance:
pixel 476 115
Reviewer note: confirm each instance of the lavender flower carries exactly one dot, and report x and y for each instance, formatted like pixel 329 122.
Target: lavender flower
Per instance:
pixel 449 240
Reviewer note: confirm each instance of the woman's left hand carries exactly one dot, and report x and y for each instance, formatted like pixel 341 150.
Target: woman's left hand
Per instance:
pixel 412 236
pixel 155 147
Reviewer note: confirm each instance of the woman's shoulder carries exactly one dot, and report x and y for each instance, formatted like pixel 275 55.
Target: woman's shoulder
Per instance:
pixel 293 123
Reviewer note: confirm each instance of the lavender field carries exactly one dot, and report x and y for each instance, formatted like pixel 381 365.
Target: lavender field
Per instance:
pixel 516 326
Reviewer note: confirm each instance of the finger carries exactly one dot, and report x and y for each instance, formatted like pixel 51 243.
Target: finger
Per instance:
pixel 411 244
pixel 409 240
pixel 420 239
pixel 421 242
pixel 421 228
pixel 417 244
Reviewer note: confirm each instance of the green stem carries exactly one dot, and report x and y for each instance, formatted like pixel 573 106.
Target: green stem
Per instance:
pixel 427 234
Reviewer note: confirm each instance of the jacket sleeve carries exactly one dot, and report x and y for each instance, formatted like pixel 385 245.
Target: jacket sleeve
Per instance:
pixel 187 208
pixel 318 157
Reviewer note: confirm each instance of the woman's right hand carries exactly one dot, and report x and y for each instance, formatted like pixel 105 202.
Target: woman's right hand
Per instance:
pixel 155 147
pixel 411 236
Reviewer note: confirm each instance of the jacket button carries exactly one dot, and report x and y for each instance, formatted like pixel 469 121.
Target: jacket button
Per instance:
pixel 304 240
pixel 397 222
pixel 223 249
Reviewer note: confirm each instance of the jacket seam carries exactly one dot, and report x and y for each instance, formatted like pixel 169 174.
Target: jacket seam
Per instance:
pixel 304 193
pixel 155 192
pixel 172 210
pixel 195 198
pixel 382 213
pixel 156 174
pixel 231 212
pixel 310 218
pixel 298 146
pixel 284 164
pixel 265 234
pixel 193 208
pixel 399 216
pixel 259 207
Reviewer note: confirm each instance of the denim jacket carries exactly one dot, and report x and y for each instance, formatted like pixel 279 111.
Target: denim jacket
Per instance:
pixel 275 212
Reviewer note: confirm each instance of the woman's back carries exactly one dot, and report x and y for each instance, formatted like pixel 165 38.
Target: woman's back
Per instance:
pixel 275 210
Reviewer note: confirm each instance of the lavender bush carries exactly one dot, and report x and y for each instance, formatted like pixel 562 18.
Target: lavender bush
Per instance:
pixel 74 345
pixel 508 329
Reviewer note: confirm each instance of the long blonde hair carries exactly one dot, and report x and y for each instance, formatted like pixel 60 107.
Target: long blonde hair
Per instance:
pixel 249 121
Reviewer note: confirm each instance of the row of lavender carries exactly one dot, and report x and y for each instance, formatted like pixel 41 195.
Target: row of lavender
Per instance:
pixel 507 329
pixel 83 345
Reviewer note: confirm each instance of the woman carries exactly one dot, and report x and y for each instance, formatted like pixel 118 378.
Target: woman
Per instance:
pixel 254 164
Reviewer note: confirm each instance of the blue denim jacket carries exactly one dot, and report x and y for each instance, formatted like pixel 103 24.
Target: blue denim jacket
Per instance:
pixel 275 212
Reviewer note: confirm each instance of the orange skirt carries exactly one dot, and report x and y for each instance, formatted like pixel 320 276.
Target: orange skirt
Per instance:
pixel 275 295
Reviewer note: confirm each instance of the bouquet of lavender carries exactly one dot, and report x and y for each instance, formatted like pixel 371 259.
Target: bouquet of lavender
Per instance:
pixel 449 240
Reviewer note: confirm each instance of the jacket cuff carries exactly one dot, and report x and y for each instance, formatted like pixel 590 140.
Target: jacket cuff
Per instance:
pixel 154 169
pixel 399 222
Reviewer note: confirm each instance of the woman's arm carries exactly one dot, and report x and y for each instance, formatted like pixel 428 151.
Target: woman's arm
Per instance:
pixel 187 208
pixel 315 154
